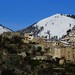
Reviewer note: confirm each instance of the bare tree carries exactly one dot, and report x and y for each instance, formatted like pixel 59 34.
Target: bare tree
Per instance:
pixel 48 32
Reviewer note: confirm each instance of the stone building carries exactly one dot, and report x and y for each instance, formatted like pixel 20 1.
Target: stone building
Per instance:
pixel 64 50
pixel 27 37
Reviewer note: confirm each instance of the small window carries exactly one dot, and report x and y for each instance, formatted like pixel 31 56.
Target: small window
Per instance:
pixel 30 35
pixel 73 55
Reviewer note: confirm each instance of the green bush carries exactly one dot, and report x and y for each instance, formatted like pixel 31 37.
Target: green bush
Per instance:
pixel 39 48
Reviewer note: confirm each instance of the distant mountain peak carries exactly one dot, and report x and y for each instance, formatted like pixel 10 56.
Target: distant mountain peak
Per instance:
pixel 4 29
pixel 55 25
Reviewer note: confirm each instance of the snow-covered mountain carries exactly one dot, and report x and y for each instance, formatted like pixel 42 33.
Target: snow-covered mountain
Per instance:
pixel 56 25
pixel 4 29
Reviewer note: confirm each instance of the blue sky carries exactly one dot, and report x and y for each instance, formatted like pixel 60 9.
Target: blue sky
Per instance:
pixel 18 14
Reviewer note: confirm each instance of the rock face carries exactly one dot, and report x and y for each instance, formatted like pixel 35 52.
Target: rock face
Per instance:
pixel 4 29
pixel 54 26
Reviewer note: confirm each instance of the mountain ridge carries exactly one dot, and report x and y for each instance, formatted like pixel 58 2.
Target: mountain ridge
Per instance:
pixel 57 25
pixel 4 29
pixel 52 26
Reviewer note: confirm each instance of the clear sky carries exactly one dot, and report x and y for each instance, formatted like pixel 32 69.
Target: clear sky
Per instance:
pixel 18 14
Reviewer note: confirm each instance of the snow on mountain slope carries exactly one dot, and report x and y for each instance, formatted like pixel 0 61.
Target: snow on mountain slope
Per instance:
pixel 4 29
pixel 57 24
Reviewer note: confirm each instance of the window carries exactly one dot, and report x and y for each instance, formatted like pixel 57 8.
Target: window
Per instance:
pixel 30 35
pixel 73 55
pixel 29 38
